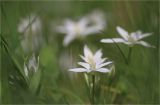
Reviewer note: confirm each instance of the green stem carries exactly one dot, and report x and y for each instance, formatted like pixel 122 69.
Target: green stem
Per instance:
pixel 127 61
pixel 93 89
pixel 123 55
pixel 129 55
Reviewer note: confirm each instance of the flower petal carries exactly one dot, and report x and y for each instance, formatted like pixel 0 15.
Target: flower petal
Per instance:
pixel 25 70
pixel 83 22
pixel 87 52
pixel 69 24
pixel 122 32
pixel 85 65
pixel 98 62
pixel 97 21
pixel 134 35
pixel 103 70
pixel 68 38
pixel 78 70
pixel 91 30
pixel 129 43
pixel 98 55
pixel 143 43
pixel 102 60
pixel 144 35
pixel 113 40
pixel 103 64
pixel 83 58
pixel 33 63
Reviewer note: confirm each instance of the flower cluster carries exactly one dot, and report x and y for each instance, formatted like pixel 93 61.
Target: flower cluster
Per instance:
pixel 90 24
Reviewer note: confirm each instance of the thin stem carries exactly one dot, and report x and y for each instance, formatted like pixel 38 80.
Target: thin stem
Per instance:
pixel 123 55
pixel 127 61
pixel 93 89
pixel 129 54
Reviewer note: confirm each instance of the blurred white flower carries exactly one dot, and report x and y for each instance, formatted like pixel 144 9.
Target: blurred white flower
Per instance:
pixel 97 20
pixel 92 62
pixel 32 65
pixel 129 39
pixel 30 27
pixel 66 61
pixel 90 24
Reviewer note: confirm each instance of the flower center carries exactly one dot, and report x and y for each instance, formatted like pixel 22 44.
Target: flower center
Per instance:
pixel 77 28
pixel 92 62
pixel 131 39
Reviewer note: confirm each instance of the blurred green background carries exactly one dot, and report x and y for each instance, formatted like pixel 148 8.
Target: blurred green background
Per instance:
pixel 137 83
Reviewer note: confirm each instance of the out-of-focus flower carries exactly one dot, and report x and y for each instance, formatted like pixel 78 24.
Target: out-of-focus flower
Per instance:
pixel 30 27
pixel 93 62
pixel 97 18
pixel 87 25
pixel 32 66
pixel 129 39
pixel 66 61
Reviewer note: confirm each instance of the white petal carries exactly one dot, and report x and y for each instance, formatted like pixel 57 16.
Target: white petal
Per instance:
pixel 134 35
pixel 103 64
pixel 129 43
pixel 85 65
pixel 143 43
pixel 103 70
pixel 25 70
pixel 32 62
pixel 113 40
pixel 102 60
pixel 83 58
pixel 78 70
pixel 97 21
pixel 83 22
pixel 122 32
pixel 68 38
pixel 87 52
pixel 69 26
pixel 144 35
pixel 92 30
pixel 23 25
pixel 98 55
pixel 138 35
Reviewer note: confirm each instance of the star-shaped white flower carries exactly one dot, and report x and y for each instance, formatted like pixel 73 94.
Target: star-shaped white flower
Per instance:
pixel 31 29
pixel 129 39
pixel 92 62
pixel 87 25
pixel 32 65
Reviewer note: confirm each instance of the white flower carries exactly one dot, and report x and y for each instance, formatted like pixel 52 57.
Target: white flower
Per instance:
pixel 90 24
pixel 65 56
pixel 98 20
pixel 129 39
pixel 92 62
pixel 30 27
pixel 32 65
